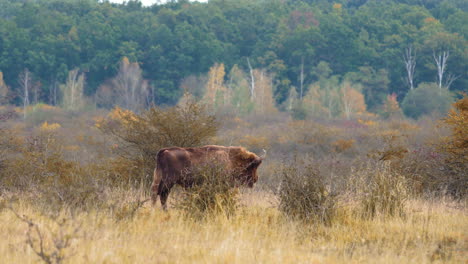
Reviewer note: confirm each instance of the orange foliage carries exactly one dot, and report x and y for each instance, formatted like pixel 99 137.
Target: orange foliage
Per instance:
pixel 457 144
pixel 254 143
pixel 391 108
pixel 430 20
pixel 337 6
pixel 342 144
pixel 49 127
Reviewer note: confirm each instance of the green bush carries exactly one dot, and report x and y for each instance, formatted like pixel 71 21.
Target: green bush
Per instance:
pixel 426 99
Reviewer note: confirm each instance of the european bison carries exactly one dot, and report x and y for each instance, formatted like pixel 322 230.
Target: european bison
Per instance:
pixel 175 166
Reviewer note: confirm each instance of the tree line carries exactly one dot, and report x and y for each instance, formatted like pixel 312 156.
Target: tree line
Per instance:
pixel 127 54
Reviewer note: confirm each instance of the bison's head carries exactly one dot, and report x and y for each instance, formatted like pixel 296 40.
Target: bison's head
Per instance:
pixel 245 166
pixel 251 176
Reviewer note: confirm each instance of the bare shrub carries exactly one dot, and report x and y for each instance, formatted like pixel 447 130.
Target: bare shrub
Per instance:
pixel 304 195
pixel 213 193
pixel 381 191
pixel 36 165
pixel 53 246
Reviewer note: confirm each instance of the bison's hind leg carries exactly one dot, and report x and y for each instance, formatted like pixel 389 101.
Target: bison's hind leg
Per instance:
pixel 163 192
pixel 155 187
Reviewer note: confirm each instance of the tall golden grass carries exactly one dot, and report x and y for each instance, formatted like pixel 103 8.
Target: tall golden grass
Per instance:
pixel 430 232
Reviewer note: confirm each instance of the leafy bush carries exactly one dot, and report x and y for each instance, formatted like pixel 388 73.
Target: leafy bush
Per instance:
pixel 304 195
pixel 213 193
pixel 426 99
pixel 141 136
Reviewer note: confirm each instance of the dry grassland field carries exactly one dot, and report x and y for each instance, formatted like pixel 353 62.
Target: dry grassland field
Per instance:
pixel 431 232
pixel 75 188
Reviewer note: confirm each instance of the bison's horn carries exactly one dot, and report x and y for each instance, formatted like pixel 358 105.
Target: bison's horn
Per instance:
pixel 264 154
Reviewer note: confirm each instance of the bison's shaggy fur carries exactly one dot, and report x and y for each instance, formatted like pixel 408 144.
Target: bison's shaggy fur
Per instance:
pixel 177 165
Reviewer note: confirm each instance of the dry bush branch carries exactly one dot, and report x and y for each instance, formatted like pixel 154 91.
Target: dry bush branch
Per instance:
pixel 51 246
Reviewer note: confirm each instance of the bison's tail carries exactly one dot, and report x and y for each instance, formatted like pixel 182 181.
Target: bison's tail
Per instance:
pixel 157 177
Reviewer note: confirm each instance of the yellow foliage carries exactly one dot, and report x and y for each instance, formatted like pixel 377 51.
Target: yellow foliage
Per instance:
pixel 118 114
pixel 367 122
pixel 342 144
pixel 337 6
pixel 240 122
pixel 253 142
pixel 49 127
pixel 216 92
pixel 73 148
pixel 46 107
pixel 404 126
pixel 390 133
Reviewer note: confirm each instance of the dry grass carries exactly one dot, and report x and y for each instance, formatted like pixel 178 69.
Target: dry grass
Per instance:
pixel 258 233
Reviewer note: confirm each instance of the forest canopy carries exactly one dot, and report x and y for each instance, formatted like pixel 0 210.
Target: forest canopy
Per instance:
pixel 379 47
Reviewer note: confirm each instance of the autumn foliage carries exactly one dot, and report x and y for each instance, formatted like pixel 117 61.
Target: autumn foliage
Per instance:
pixel 139 137
pixel 455 146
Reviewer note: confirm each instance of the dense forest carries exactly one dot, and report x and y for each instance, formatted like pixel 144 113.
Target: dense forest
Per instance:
pixel 384 47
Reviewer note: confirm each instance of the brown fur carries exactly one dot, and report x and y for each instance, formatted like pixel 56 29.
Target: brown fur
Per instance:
pixel 174 166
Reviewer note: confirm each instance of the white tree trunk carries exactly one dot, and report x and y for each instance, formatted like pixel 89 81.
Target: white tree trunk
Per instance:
pixel 252 81
pixel 410 64
pixel 25 82
pixel 441 63
pixel 302 78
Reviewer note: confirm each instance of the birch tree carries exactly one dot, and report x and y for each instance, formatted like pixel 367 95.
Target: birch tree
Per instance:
pixel 3 90
pixel 129 85
pixel 312 102
pixel 25 80
pixel 352 100
pixel 292 99
pixel 301 79
pixel 72 91
pixel 263 99
pixel 252 80
pixel 240 91
pixel 409 57
pixel 441 63
pixel 216 94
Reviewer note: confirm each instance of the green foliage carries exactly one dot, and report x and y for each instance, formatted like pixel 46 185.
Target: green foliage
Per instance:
pixel 175 40
pixel 425 99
